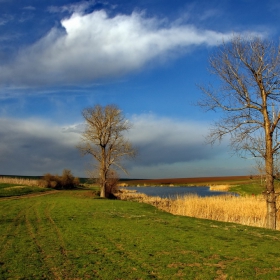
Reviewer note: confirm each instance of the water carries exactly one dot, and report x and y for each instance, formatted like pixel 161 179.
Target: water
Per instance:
pixel 169 192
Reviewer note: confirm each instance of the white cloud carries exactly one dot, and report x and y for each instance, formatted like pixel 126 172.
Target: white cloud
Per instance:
pixel 78 7
pixel 4 19
pixel 95 46
pixel 29 8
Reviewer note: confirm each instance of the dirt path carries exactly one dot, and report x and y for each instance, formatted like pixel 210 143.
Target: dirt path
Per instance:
pixel 28 195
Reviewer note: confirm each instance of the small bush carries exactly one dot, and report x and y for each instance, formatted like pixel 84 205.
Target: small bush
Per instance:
pixel 65 181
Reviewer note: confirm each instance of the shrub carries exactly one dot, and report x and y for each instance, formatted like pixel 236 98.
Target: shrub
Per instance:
pixel 65 181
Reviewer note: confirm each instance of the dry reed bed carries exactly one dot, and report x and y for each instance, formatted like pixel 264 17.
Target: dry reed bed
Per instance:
pixel 245 210
pixel 222 188
pixel 19 181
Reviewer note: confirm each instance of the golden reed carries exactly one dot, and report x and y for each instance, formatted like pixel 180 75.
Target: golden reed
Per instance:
pixel 219 188
pixel 245 210
pixel 19 181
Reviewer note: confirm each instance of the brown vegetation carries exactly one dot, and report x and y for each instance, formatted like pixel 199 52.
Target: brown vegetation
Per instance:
pixel 19 181
pixel 66 181
pixel 219 188
pixel 189 181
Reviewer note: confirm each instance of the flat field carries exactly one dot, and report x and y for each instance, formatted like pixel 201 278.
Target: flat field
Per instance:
pixel 73 235
pixel 199 181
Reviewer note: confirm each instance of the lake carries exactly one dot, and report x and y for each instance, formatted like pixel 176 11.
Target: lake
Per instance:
pixel 168 192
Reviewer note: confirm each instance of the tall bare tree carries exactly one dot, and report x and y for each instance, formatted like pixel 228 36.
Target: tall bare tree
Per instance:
pixel 248 96
pixel 104 139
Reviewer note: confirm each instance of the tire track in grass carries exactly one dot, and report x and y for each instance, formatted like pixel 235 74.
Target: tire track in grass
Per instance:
pixel 29 195
pixel 105 260
pixel 11 231
pixel 46 261
pixel 118 253
pixel 66 263
pixel 56 229
pixel 115 254
pixel 144 263
pixel 7 243
pixel 108 259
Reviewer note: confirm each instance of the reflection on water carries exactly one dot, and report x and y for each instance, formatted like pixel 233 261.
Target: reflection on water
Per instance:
pixel 170 192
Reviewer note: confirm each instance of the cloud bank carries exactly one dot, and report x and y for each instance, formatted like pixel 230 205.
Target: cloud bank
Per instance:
pixel 34 147
pixel 165 147
pixel 89 47
pixel 167 141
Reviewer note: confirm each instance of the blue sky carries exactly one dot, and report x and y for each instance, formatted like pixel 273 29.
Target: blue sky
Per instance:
pixel 147 57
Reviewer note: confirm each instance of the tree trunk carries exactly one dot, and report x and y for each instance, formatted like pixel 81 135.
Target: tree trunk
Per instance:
pixel 103 174
pixel 271 210
pixel 102 183
pixel 270 193
pixel 102 189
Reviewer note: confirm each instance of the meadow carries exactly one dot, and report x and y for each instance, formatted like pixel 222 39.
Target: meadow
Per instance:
pixel 19 187
pixel 76 235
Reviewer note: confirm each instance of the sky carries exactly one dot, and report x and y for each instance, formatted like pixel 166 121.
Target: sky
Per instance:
pixel 58 57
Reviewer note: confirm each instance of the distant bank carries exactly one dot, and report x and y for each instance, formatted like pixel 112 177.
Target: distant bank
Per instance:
pixel 190 181
pixel 167 181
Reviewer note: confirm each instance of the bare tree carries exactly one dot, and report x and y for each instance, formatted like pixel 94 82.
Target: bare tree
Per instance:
pixel 104 139
pixel 248 96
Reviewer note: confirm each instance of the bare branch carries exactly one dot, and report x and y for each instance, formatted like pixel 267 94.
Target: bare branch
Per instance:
pixel 249 74
pixel 103 139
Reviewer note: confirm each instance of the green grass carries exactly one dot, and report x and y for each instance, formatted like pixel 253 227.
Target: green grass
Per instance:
pixel 8 190
pixel 71 235
pixel 254 188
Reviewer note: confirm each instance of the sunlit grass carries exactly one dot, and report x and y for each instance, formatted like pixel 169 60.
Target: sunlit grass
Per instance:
pixel 10 189
pixel 71 235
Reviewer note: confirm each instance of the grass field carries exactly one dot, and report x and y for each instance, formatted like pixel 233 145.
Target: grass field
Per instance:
pixel 201 181
pixel 9 189
pixel 72 235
